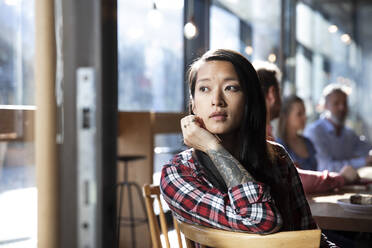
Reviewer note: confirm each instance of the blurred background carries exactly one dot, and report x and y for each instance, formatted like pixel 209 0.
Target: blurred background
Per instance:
pixel 314 43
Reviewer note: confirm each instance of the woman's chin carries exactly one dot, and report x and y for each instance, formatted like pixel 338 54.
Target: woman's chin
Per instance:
pixel 215 130
pixel 220 130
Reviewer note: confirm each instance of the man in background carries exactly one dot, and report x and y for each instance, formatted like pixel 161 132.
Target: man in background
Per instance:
pixel 337 145
pixel 270 77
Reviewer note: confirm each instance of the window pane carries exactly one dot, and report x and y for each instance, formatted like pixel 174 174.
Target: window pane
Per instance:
pixel 18 193
pixel 266 29
pixel 224 28
pixel 166 146
pixel 334 47
pixel 150 44
pixel 16 52
pixel 245 27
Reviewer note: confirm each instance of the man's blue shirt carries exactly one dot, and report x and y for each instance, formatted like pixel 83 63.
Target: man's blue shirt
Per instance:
pixel 333 152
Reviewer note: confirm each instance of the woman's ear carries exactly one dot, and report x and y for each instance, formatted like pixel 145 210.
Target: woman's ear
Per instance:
pixel 192 105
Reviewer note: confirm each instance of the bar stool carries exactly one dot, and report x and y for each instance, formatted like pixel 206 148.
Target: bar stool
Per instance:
pixel 129 221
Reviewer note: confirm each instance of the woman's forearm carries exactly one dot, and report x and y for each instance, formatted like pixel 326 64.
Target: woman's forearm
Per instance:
pixel 230 169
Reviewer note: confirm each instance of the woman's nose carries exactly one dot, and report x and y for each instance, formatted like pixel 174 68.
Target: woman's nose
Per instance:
pixel 217 98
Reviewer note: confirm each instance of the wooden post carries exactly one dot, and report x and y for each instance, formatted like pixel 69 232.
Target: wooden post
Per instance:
pixel 45 126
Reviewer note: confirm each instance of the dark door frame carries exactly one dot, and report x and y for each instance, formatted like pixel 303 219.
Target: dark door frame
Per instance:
pixel 89 39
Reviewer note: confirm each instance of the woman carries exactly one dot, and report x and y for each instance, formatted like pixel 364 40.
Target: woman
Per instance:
pixel 292 121
pixel 232 178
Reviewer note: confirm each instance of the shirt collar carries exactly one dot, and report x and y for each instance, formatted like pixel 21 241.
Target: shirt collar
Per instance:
pixel 329 126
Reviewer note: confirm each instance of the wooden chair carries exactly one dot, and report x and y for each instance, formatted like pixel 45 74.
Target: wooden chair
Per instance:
pixel 150 193
pixel 226 239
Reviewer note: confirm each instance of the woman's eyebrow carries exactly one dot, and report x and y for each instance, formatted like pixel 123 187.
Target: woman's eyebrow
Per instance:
pixel 225 79
pixel 231 79
pixel 203 80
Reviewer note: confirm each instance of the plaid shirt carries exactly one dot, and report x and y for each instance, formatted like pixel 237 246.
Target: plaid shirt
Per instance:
pixel 246 207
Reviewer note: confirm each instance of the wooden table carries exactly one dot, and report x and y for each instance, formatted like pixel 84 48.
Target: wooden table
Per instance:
pixel 329 215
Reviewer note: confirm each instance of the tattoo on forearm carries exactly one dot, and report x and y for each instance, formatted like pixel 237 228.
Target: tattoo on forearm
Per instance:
pixel 230 169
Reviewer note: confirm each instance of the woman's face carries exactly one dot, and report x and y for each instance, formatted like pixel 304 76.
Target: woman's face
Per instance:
pixel 218 99
pixel 297 116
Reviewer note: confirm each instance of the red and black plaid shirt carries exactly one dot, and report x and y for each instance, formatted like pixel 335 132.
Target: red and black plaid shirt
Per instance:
pixel 246 207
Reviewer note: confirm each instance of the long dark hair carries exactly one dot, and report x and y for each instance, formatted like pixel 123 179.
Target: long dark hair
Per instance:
pixel 284 114
pixel 254 153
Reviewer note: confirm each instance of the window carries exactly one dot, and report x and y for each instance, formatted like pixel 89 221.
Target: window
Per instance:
pixel 16 52
pixel 332 50
pixel 150 60
pixel 246 26
pixel 166 146
pixel 18 194
pixel 224 29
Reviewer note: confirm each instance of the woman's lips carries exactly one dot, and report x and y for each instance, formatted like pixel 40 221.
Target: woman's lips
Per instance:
pixel 218 116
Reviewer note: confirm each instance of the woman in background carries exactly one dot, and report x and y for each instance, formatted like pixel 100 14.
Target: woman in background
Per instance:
pixel 292 121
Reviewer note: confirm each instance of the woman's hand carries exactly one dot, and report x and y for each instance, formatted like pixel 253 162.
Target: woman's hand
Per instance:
pixel 196 136
pixel 350 174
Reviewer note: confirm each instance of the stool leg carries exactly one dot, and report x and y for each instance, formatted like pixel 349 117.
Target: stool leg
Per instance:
pixel 131 216
pixel 119 216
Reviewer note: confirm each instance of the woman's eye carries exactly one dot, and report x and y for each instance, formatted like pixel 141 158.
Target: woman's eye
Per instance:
pixel 203 89
pixel 233 88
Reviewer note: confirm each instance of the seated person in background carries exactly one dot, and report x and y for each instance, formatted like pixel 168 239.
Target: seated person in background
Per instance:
pixel 232 178
pixel 312 181
pixel 292 121
pixel 337 145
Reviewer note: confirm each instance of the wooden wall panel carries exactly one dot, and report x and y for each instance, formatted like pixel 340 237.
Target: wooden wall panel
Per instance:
pixel 166 122
pixel 17 124
pixel 135 138
pixel 136 132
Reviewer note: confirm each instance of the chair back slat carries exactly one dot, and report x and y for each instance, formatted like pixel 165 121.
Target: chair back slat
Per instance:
pixel 150 193
pixel 227 239
pixel 176 227
pixel 153 222
pixel 163 222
